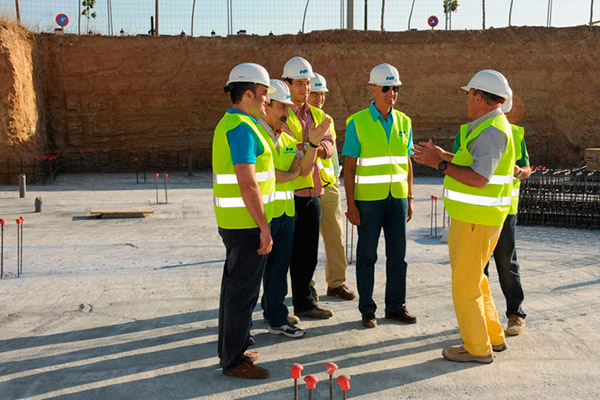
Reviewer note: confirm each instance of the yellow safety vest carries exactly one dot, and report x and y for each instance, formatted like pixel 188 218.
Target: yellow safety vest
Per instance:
pixel 382 165
pixel 230 209
pixel 488 205
pixel 283 158
pixel 326 166
pixel 295 126
pixel 518 137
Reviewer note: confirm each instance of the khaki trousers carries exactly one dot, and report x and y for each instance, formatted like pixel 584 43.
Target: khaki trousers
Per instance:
pixel 333 236
pixel 471 247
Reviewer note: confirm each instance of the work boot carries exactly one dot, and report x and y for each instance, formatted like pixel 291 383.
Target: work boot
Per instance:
pixel 516 325
pixel 342 292
pixel 316 312
pixel 252 356
pixel 369 320
pixel 247 369
pixel 499 347
pixel 460 354
pixel 401 315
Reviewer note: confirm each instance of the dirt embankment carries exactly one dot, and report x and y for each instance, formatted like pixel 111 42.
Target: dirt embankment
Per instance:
pixel 22 116
pixel 120 94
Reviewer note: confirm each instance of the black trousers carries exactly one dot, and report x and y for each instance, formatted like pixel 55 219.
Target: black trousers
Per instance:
pixel 242 275
pixel 305 251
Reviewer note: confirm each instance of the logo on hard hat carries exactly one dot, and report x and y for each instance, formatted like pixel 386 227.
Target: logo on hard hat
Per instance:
pixel 318 84
pixel 303 71
pixel 389 78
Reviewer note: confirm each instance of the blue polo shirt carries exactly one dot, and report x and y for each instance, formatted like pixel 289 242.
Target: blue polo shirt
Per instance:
pixel 243 143
pixel 352 144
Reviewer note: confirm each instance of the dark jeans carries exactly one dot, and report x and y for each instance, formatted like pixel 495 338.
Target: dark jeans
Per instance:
pixel 505 256
pixel 242 274
pixel 275 278
pixel 305 251
pixel 389 214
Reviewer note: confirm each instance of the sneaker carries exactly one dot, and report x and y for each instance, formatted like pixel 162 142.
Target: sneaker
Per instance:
pixel 286 330
pixel 369 320
pixel 292 320
pixel 499 347
pixel 401 315
pixel 342 292
pixel 247 369
pixel 516 325
pixel 317 312
pixel 460 354
pixel 313 291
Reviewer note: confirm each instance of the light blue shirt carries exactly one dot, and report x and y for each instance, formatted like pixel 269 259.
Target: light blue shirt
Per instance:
pixel 243 143
pixel 352 144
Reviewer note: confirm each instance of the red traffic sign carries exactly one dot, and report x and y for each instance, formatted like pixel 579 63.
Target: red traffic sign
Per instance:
pixel 432 21
pixel 62 20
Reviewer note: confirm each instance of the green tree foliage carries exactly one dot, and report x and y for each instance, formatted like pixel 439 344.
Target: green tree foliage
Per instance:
pixel 88 11
pixel 450 6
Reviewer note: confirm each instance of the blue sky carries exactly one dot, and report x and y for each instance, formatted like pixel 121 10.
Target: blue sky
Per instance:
pixel 285 16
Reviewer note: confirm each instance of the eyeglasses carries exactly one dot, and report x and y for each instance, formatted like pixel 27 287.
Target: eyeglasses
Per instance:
pixel 385 89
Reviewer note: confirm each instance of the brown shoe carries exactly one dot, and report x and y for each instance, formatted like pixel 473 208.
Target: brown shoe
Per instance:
pixel 460 354
pixel 248 370
pixel 369 320
pixel 401 315
pixel 499 347
pixel 317 312
pixel 342 292
pixel 252 355
pixel 313 291
pixel 516 325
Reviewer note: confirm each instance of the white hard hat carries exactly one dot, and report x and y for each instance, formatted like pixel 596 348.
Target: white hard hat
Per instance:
pixel 489 81
pixel 297 68
pixel 507 105
pixel 384 75
pixel 281 93
pixel 318 84
pixel 251 73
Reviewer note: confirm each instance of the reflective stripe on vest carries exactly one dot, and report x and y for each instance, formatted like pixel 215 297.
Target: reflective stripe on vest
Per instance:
pixel 326 170
pixel 288 195
pixel 382 165
pixel 295 126
pixel 515 193
pixel 490 204
pixel 518 137
pixel 230 210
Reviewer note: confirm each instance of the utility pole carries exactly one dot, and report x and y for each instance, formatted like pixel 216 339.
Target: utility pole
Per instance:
pixel 350 14
pixel 193 11
pixel 156 18
pixel 382 14
pixel 411 13
pixel 366 14
pixel 18 8
pixel 510 13
pixel 483 5
pixel 79 20
pixel 592 12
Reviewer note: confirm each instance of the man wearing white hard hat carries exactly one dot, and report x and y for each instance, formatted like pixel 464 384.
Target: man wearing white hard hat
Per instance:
pixel 477 194
pixel 287 167
pixel 378 182
pixel 331 208
pixel 505 252
pixel 297 73
pixel 244 199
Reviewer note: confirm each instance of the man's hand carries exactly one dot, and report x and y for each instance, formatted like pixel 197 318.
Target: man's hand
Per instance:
pixel 411 208
pixel 427 153
pixel 316 134
pixel 353 214
pixel 266 242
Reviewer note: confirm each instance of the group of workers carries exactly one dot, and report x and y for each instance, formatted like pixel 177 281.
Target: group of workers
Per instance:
pixel 276 186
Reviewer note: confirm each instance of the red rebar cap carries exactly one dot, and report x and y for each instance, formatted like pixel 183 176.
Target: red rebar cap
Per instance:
pixel 2 222
pixel 18 221
pixel 311 381
pixel 330 368
pixel 434 197
pixel 156 175
pixel 166 175
pixel 344 382
pixel 296 370
pixel 22 218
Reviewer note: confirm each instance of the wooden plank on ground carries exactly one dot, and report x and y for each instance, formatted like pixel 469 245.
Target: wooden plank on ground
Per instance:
pixel 122 212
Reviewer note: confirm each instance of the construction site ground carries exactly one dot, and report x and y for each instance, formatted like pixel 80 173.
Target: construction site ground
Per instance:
pixel 127 308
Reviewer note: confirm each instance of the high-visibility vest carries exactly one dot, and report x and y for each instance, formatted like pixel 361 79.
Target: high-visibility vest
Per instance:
pixel 230 209
pixel 488 205
pixel 282 158
pixel 382 165
pixel 518 137
pixel 295 126
pixel 326 166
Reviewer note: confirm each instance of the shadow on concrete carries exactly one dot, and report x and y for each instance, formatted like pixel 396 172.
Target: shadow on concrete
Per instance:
pixel 577 285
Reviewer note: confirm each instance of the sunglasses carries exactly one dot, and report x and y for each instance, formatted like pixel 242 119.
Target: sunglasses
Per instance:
pixel 385 89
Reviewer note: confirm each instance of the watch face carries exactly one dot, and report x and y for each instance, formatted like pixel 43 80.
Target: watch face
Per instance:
pixel 442 165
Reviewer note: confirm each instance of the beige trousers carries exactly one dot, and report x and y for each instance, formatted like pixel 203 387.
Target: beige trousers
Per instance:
pixel 333 236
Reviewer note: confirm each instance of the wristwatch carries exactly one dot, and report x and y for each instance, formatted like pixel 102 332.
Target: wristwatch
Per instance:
pixel 442 165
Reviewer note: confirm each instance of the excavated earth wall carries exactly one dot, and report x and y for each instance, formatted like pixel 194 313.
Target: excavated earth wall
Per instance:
pixel 137 94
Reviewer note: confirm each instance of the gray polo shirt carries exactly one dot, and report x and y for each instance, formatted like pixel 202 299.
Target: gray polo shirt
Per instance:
pixel 488 147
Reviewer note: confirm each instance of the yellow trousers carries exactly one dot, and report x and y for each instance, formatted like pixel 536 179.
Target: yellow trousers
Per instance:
pixel 471 247
pixel 333 236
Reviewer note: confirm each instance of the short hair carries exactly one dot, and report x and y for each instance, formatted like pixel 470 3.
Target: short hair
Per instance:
pixel 289 80
pixel 237 89
pixel 489 98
